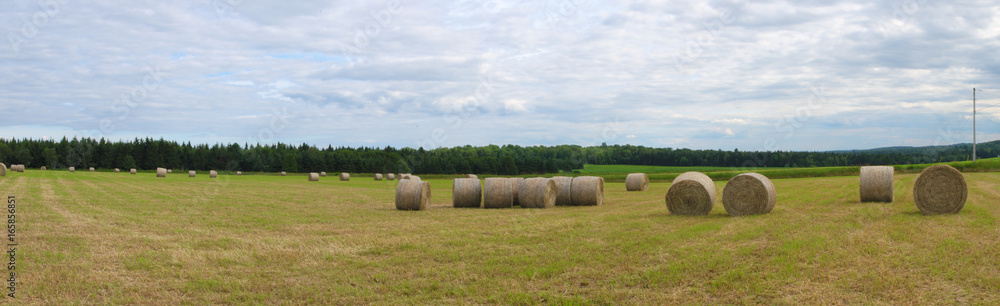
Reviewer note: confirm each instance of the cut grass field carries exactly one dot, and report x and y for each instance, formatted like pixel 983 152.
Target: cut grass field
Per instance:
pixel 135 239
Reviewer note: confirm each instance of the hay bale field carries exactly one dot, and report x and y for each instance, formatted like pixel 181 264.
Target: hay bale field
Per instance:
pixel 940 189
pixel 498 192
pixel 749 194
pixel 637 182
pixel 466 193
pixel 413 195
pixel 314 177
pixel 378 176
pixel 876 184
pixel 161 172
pixel 191 173
pixel 587 191
pixel 564 185
pixel 131 171
pixel 212 174
pixel 390 177
pixel 537 192
pixel 691 194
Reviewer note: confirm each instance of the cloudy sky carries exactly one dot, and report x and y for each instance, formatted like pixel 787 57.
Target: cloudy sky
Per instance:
pixel 753 75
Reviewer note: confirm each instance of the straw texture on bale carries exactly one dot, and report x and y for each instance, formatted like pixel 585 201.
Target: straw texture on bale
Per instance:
pixel 213 174
pixel 587 191
pixel 749 194
pixel 91 169
pixel 160 172
pixel 563 188
pixel 413 195
pixel 131 171
pixel 344 176
pixel 3 169
pixel 390 176
pixel 876 184
pixel 637 182
pixel 283 173
pixel 517 183
pixel 72 169
pixel 117 170
pixel 498 192
pixel 42 168
pixel 471 176
pixel 323 174
pixel 691 194
pixel 314 177
pixel 537 192
pixel 378 176
pixel 191 173
pixel 940 189
pixel 466 193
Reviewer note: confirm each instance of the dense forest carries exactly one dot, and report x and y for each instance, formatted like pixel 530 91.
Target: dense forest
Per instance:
pixel 146 154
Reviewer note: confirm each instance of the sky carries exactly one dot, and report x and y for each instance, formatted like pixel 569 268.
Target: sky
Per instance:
pixel 748 75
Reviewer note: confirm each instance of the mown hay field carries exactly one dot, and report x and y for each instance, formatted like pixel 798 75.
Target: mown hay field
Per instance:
pixel 101 237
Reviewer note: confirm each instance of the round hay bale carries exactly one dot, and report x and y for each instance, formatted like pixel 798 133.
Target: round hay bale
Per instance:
pixel 876 184
pixel 323 174
pixel 517 183
pixel 471 176
pixel 498 192
pixel 20 168
pixel 213 174
pixel 170 171
pixel 91 169
pixel 314 177
pixel 3 169
pixel 191 173
pixel 563 187
pixel 239 172
pixel 587 191
pixel 413 177
pixel 160 172
pixel 691 194
pixel 637 182
pixel 749 194
pixel 344 176
pixel 72 169
pixel 390 176
pixel 131 171
pixel 940 189
pixel 413 195
pixel 283 173
pixel 117 170
pixel 537 192
pixel 378 176
pixel 466 193
pixel 41 168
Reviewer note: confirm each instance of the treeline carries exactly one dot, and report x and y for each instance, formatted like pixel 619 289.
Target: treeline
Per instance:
pixel 148 154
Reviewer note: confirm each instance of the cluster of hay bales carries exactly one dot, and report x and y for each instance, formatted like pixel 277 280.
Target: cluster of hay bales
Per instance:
pixel 72 169
pixel 466 193
pixel 637 182
pixel 378 176
pixel 876 184
pixel 940 189
pixel 131 171
pixel 412 195
pixel 390 176
pixel 749 194
pixel 314 177
pixel 191 173
pixel 537 193
pixel 344 176
pixel 161 172
pixel 691 194
pixel 17 168
pixel 213 174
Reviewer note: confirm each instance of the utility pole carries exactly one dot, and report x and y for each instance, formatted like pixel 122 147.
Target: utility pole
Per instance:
pixel 973 124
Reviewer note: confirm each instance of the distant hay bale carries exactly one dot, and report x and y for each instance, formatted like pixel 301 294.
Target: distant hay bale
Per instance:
pixel 117 170
pixel 413 177
pixel 20 168
pixel 587 191
pixel 876 184
pixel 471 176
pixel 41 168
pixel 131 171
pixel 749 194
pixel 161 172
pixel 91 169
pixel 283 173
pixel 517 183
pixel 72 169
pixel 213 174
pixel 691 194
pixel 314 177
pixel 940 189
pixel 378 176
pixel 239 172
pixel 323 174
pixel 390 176
pixel 537 192
pixel 191 173
pixel 413 195
pixel 637 182
pixel 466 193
pixel 344 176
pixel 564 184
pixel 498 192
pixel 170 171
pixel 3 169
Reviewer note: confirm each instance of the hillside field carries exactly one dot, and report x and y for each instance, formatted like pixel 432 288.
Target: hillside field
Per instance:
pixel 135 239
